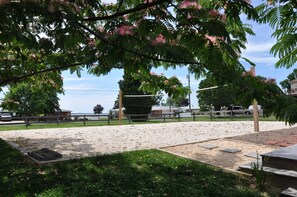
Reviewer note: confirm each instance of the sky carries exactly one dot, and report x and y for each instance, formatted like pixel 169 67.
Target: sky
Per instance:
pixel 82 94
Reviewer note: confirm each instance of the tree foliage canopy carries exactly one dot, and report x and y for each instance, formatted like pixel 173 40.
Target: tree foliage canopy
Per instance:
pixel 135 105
pixel 224 95
pixel 38 95
pixel 181 101
pixel 98 109
pixel 40 36
pixel 286 86
pixel 282 16
pixel 206 36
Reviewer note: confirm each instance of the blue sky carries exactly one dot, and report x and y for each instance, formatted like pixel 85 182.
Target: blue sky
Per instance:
pixel 82 94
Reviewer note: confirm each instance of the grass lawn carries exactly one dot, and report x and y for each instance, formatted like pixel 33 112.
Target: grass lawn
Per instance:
pixel 131 174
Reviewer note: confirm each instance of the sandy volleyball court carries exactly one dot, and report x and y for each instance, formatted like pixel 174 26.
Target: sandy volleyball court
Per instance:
pixel 89 141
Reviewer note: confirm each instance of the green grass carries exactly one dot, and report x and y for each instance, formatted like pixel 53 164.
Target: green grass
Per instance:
pixel 148 173
pixel 126 122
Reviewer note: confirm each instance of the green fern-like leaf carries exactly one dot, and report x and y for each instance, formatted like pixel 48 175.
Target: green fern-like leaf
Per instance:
pixel 286 49
pixel 282 18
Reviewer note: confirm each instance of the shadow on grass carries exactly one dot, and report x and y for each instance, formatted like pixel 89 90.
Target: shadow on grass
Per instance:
pixel 145 173
pixel 74 146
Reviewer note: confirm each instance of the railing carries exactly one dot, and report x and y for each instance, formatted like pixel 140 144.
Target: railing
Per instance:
pixel 29 120
pixel 85 118
pixel 148 117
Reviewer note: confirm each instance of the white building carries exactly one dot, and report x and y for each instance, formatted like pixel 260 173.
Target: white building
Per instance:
pixel 293 87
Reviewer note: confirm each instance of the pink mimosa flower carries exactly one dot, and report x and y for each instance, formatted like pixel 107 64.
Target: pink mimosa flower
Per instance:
pixel 224 18
pixel 76 7
pixel 270 80
pixel 190 4
pixel 160 39
pixel 213 13
pixel 126 30
pixel 249 73
pixel 148 1
pixel 154 43
pixel 189 16
pixel 100 28
pixel 51 8
pixel 3 2
pixel 212 39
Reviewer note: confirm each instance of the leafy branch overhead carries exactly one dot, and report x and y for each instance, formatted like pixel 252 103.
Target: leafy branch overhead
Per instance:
pixel 39 36
pixel 204 36
pixel 282 16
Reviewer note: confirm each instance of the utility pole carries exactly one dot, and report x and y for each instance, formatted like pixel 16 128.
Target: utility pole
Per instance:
pixel 120 107
pixel 189 84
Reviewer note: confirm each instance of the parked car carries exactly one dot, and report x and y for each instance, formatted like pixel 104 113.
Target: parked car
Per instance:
pixel 260 109
pixel 6 117
pixel 235 110
pixel 82 118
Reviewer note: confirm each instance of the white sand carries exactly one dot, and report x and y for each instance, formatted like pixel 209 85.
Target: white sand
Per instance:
pixel 88 141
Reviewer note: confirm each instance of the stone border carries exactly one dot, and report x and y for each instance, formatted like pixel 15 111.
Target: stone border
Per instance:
pixel 24 152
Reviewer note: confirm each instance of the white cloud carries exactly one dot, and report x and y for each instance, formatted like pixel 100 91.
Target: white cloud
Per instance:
pixel 99 79
pixel 79 79
pixel 263 60
pixel 83 86
pixel 109 1
pixel 74 89
pixel 258 47
pixel 92 86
